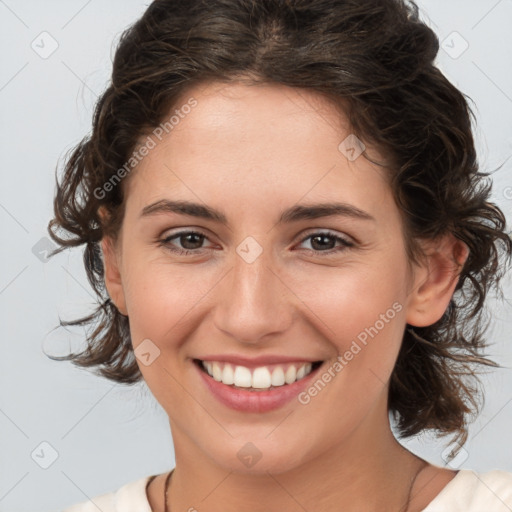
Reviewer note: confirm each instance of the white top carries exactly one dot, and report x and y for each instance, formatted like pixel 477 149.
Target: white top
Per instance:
pixel 468 491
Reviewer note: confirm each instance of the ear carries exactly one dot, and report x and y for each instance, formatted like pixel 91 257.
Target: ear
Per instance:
pixel 112 273
pixel 435 280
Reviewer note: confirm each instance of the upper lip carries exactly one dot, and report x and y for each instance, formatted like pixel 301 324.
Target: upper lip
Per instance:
pixel 253 362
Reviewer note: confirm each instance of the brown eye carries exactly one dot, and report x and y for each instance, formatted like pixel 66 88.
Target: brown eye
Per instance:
pixel 325 242
pixel 190 241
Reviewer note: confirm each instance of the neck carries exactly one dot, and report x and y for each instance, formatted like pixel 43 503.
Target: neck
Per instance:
pixel 367 471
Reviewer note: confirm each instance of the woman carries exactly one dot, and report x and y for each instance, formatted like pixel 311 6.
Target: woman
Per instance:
pixel 286 225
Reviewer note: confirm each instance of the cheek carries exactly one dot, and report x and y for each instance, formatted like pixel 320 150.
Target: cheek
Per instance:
pixel 362 314
pixel 161 299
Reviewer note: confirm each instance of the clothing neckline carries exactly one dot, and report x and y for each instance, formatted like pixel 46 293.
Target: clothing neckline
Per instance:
pixel 455 482
pixel 460 475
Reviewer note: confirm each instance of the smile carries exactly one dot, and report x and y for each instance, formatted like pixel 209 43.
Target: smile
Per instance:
pixel 260 378
pixel 256 388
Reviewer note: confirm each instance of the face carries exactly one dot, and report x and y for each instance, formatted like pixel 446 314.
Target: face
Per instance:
pixel 255 287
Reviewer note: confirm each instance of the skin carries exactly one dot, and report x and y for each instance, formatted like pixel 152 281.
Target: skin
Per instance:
pixel 251 152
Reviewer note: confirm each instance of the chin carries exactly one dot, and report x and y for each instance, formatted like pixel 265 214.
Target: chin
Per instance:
pixel 260 457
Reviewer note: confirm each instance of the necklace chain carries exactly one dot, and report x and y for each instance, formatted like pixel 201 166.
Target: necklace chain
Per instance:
pixel 404 509
pixel 167 490
pixel 406 506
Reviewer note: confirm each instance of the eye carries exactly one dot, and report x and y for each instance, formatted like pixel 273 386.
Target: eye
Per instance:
pixel 190 240
pixel 325 242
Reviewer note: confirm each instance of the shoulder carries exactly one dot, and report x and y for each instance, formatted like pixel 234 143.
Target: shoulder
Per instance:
pixel 470 491
pixel 131 497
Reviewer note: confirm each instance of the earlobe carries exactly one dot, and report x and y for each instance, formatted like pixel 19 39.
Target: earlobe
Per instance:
pixel 435 280
pixel 112 275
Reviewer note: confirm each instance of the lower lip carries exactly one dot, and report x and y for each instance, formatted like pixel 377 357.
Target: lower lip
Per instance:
pixel 255 401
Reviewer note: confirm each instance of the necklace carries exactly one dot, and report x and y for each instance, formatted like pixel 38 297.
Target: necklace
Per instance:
pixel 404 509
pixel 166 486
pixel 406 506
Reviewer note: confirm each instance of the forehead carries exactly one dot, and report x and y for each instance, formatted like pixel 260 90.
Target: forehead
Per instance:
pixel 263 141
pixel 256 114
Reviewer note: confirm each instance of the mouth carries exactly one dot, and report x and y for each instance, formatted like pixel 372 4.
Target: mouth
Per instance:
pixel 257 379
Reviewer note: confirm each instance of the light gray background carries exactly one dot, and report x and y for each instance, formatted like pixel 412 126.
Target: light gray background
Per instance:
pixel 104 435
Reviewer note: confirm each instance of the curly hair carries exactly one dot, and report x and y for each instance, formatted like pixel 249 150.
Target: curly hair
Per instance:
pixel 373 58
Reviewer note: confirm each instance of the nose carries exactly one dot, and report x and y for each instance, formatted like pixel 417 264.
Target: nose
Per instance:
pixel 253 302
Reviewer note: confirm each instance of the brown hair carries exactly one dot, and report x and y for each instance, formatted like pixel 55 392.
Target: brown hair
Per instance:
pixel 375 58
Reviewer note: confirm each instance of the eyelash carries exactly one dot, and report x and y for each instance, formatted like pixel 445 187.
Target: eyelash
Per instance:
pixel 165 242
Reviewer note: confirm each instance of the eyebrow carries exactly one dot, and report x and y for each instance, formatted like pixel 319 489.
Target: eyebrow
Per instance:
pixel 293 214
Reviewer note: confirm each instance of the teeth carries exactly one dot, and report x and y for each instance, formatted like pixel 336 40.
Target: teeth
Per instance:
pixel 242 377
pixel 277 376
pixel 228 377
pixel 290 375
pixel 262 377
pixel 217 372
